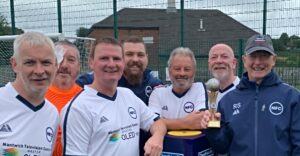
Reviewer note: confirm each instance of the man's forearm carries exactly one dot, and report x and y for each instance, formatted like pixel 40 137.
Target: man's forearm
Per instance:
pixel 158 128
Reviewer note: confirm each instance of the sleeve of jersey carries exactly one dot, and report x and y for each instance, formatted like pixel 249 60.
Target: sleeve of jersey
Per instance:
pixel 154 102
pixel 147 116
pixel 77 129
pixel 201 97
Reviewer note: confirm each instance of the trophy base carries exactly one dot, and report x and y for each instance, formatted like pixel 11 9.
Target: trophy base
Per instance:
pixel 214 124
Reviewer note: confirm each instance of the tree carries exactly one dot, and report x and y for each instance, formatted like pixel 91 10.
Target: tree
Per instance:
pixel 284 38
pixel 278 45
pixel 82 32
pixel 6 47
pixel 5 29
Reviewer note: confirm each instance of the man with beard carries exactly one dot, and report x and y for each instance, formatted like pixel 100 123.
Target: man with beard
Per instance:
pixel 179 103
pixel 105 119
pixel 64 88
pixel 136 76
pixel 261 116
pixel 222 65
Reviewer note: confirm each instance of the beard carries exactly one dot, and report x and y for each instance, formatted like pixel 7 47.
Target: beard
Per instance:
pixel 221 76
pixel 182 82
pixel 134 77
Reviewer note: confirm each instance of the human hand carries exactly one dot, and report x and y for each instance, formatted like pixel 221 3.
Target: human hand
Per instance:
pixel 210 116
pixel 154 146
pixel 196 120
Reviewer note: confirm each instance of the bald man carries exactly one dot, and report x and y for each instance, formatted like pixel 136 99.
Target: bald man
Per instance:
pixel 222 65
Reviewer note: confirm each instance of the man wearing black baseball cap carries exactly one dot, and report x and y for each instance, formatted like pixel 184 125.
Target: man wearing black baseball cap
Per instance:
pixel 262 115
pixel 259 58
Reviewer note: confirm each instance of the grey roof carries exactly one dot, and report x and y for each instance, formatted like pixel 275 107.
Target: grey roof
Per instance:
pixel 218 26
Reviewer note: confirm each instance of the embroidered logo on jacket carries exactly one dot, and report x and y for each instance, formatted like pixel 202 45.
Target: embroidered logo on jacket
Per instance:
pixel 148 90
pixel 276 108
pixel 236 108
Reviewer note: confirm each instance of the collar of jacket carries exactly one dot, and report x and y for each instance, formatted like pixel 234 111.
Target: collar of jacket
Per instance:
pixel 270 79
pixel 146 77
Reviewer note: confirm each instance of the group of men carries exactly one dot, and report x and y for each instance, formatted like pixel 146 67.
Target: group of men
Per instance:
pixel 109 111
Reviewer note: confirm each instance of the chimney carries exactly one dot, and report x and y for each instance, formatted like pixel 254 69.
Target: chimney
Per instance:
pixel 171 6
pixel 201 28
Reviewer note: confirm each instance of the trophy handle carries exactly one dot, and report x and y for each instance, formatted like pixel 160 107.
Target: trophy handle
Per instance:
pixel 213 123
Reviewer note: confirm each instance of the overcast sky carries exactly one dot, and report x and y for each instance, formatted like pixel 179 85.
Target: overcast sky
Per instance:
pixel 283 15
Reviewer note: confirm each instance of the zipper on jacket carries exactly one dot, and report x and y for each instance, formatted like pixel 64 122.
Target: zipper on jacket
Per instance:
pixel 256 120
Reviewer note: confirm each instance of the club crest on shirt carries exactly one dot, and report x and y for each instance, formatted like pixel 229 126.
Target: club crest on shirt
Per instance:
pixel 49 134
pixel 188 107
pixel 148 90
pixel 132 112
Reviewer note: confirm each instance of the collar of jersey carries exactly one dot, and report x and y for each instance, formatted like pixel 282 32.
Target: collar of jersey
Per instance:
pixel 180 95
pixel 227 88
pixel 108 97
pixel 29 105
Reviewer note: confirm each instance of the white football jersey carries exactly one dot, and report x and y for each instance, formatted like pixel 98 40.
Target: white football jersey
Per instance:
pixel 221 93
pixel 165 102
pixel 95 124
pixel 26 130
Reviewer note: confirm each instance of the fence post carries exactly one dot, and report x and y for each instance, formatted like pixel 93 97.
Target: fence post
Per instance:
pixel 240 56
pixel 12 16
pixel 182 23
pixel 59 16
pixel 265 17
pixel 115 19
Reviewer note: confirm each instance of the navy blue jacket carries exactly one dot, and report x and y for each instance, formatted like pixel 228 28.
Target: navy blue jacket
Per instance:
pixel 142 91
pixel 259 120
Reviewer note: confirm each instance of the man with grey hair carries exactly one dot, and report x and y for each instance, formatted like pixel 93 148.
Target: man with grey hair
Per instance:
pixel 261 116
pixel 179 103
pixel 27 120
pixel 64 87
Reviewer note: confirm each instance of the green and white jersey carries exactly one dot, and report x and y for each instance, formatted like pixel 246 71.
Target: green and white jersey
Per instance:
pixel 26 130
pixel 95 124
pixel 165 102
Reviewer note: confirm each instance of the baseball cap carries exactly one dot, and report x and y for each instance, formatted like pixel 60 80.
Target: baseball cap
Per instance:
pixel 259 43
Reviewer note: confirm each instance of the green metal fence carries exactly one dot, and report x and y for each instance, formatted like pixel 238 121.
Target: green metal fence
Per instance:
pixel 272 17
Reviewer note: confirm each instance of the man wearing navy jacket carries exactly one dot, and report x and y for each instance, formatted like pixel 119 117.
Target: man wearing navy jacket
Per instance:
pixel 262 115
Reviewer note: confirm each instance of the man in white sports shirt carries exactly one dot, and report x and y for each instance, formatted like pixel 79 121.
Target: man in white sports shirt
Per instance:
pixel 222 65
pixel 28 122
pixel 105 119
pixel 179 103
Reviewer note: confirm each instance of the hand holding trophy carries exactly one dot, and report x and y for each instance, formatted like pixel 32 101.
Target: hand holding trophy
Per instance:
pixel 213 86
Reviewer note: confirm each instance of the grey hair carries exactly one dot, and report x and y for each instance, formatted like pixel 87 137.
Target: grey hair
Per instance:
pixel 68 43
pixel 182 51
pixel 33 39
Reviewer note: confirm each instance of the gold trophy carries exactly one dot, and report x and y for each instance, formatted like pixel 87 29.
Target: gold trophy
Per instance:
pixel 213 86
